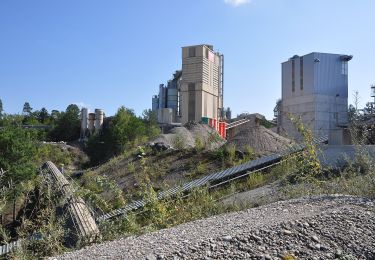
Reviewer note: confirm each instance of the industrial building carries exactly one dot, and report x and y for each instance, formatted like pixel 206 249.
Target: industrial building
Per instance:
pixel 315 88
pixel 91 122
pixel 196 91
pixel 202 83
pixel 166 104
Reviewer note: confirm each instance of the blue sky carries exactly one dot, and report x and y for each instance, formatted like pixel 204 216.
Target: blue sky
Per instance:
pixel 110 53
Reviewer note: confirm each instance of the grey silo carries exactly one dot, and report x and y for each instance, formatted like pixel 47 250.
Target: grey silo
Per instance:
pixel 155 103
pixel 315 87
pixel 99 119
pixel 162 96
pixel 84 122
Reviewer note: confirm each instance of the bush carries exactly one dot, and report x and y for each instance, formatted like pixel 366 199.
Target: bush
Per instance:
pixel 67 126
pixel 18 154
pixel 308 162
pixel 41 230
pixel 179 142
pixel 199 145
pixel 255 180
pixel 48 152
pixel 125 132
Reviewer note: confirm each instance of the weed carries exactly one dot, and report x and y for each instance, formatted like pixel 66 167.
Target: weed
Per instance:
pixel 199 145
pixel 288 257
pixel 308 163
pixel 179 142
pixel 255 180
pixel 201 168
pixel 131 167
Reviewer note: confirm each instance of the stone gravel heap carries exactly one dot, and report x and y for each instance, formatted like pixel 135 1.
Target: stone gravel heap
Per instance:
pixel 323 227
pixel 260 139
pixel 188 135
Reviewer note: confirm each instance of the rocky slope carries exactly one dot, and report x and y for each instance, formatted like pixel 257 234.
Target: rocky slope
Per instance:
pixel 324 227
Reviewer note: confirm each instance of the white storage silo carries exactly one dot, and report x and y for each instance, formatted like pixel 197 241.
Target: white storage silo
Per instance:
pixel 99 118
pixel 91 122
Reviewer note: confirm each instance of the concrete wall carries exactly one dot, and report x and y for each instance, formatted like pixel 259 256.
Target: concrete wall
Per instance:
pixel 338 155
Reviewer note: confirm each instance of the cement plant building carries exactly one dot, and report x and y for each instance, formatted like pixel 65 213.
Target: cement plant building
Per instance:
pixel 315 88
pixel 195 91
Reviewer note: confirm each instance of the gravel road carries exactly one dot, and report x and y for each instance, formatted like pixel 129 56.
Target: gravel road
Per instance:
pixel 324 227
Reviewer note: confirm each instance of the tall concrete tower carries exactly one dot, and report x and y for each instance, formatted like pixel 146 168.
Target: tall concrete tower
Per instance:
pixel 315 88
pixel 201 88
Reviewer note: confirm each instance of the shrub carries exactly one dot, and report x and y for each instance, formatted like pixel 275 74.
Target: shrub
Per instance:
pixel 230 154
pixel 308 162
pixel 201 168
pixel 255 180
pixel 179 142
pixel 199 144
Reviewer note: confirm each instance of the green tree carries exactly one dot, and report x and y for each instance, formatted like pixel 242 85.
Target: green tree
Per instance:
pixel 352 113
pixel 67 126
pixel 27 109
pixel 55 115
pixel 73 110
pixel 151 121
pixel 126 128
pixel 1 109
pixel 18 153
pixel 125 131
pixel 43 115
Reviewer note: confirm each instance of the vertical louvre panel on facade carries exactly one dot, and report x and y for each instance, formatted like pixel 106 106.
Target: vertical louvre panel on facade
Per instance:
pixel 191 112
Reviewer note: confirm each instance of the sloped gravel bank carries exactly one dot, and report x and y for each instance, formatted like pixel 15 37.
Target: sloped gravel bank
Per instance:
pixel 324 227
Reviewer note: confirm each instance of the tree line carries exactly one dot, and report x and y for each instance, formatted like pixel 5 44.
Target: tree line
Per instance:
pixel 18 153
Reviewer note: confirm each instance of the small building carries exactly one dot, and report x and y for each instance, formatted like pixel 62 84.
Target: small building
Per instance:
pixel 315 88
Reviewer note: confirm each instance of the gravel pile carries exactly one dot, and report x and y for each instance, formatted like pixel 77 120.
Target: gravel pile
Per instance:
pixel 260 139
pixel 324 227
pixel 186 136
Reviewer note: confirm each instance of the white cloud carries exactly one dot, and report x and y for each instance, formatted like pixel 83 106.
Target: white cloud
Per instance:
pixel 237 2
pixel 82 105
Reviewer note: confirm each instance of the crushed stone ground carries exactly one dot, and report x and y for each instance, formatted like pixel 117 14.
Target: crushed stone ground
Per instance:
pixel 322 227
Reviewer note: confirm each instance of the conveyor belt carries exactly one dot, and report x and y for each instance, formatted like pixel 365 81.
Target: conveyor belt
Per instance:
pixel 213 178
pixel 7 248
pixel 237 123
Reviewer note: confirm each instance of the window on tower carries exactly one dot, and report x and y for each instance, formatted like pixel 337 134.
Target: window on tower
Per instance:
pixel 344 68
